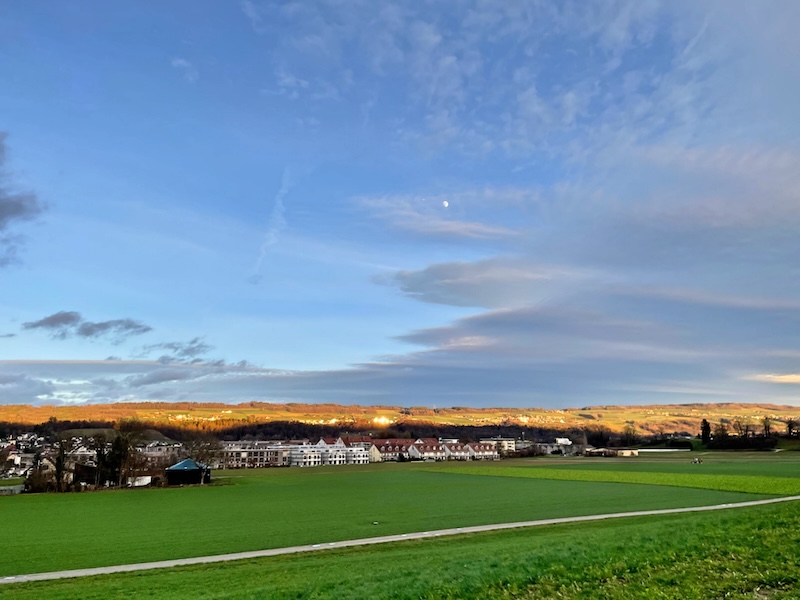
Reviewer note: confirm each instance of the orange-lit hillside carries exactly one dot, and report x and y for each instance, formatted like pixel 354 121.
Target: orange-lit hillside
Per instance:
pixel 647 419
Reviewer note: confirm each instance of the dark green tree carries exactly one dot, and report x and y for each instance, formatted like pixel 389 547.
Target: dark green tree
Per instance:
pixel 705 431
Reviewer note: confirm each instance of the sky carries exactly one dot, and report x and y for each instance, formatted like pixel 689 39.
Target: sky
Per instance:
pixel 433 203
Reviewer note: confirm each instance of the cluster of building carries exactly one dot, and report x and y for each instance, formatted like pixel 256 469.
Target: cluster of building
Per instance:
pixel 350 450
pixel 22 455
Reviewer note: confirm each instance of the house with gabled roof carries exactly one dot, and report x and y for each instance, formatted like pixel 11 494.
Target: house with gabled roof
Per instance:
pixel 393 449
pixel 456 451
pixel 428 441
pixel 426 451
pixel 483 451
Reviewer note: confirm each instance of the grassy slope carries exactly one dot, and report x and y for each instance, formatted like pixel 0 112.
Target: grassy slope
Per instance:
pixel 744 553
pixel 286 507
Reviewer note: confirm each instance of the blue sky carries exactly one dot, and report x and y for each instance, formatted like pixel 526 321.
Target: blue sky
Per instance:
pixel 410 203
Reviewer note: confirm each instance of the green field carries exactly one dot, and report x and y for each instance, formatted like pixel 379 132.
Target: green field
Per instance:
pixel 740 554
pixel 12 481
pixel 258 509
pixel 783 485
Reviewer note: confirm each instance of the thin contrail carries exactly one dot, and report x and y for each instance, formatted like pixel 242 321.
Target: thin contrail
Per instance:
pixel 277 223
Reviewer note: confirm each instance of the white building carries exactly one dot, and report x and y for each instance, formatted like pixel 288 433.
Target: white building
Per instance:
pixel 255 455
pixel 504 445
pixel 305 456
pixel 483 451
pixel 456 451
pixel 426 451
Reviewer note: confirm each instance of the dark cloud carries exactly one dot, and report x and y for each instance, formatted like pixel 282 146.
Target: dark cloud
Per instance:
pixel 492 283
pixel 164 375
pixel 180 352
pixel 20 388
pixel 59 324
pixel 63 324
pixel 15 206
pixel 7 335
pixel 116 327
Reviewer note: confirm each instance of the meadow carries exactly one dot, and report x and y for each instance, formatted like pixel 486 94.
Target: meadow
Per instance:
pixel 764 474
pixel 740 554
pixel 252 509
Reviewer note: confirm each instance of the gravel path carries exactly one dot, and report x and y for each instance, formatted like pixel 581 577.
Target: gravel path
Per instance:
pixel 180 562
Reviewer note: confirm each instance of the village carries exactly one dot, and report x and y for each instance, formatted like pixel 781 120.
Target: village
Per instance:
pixel 82 463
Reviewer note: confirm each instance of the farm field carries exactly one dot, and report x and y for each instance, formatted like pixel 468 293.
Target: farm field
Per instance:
pixel 771 464
pixel 775 478
pixel 744 553
pixel 284 507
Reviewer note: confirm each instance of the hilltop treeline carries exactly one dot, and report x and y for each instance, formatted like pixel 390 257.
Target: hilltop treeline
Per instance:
pixel 273 430
pixel 51 428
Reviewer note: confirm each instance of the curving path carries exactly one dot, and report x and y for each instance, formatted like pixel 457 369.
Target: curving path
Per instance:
pixel 180 562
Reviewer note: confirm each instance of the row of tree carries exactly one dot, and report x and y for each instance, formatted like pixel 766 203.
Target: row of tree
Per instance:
pixel 744 429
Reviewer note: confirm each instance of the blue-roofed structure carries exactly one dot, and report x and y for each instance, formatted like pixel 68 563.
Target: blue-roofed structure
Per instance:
pixel 188 472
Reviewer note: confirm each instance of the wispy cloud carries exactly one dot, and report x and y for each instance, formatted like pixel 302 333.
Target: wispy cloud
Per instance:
pixel 15 207
pixel 253 14
pixel 163 376
pixel 441 215
pixel 190 73
pixel 178 352
pixel 498 282
pixel 792 378
pixel 64 324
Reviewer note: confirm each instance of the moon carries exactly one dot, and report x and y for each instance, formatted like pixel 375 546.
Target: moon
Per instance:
pixel 445 204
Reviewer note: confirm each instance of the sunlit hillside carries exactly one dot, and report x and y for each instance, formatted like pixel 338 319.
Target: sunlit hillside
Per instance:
pixel 655 419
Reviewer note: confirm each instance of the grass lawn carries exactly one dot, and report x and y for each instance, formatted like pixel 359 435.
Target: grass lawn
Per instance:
pixel 754 484
pixel 738 554
pixel 285 507
pixel 772 464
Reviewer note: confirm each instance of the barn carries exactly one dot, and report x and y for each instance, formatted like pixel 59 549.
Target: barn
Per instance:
pixel 188 472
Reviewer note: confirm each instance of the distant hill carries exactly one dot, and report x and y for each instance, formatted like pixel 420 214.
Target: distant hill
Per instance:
pixel 651 419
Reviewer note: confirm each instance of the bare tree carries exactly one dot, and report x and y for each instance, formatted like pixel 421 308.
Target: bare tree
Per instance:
pixel 766 423
pixel 204 449
pixel 60 465
pixel 99 443
pixel 629 436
